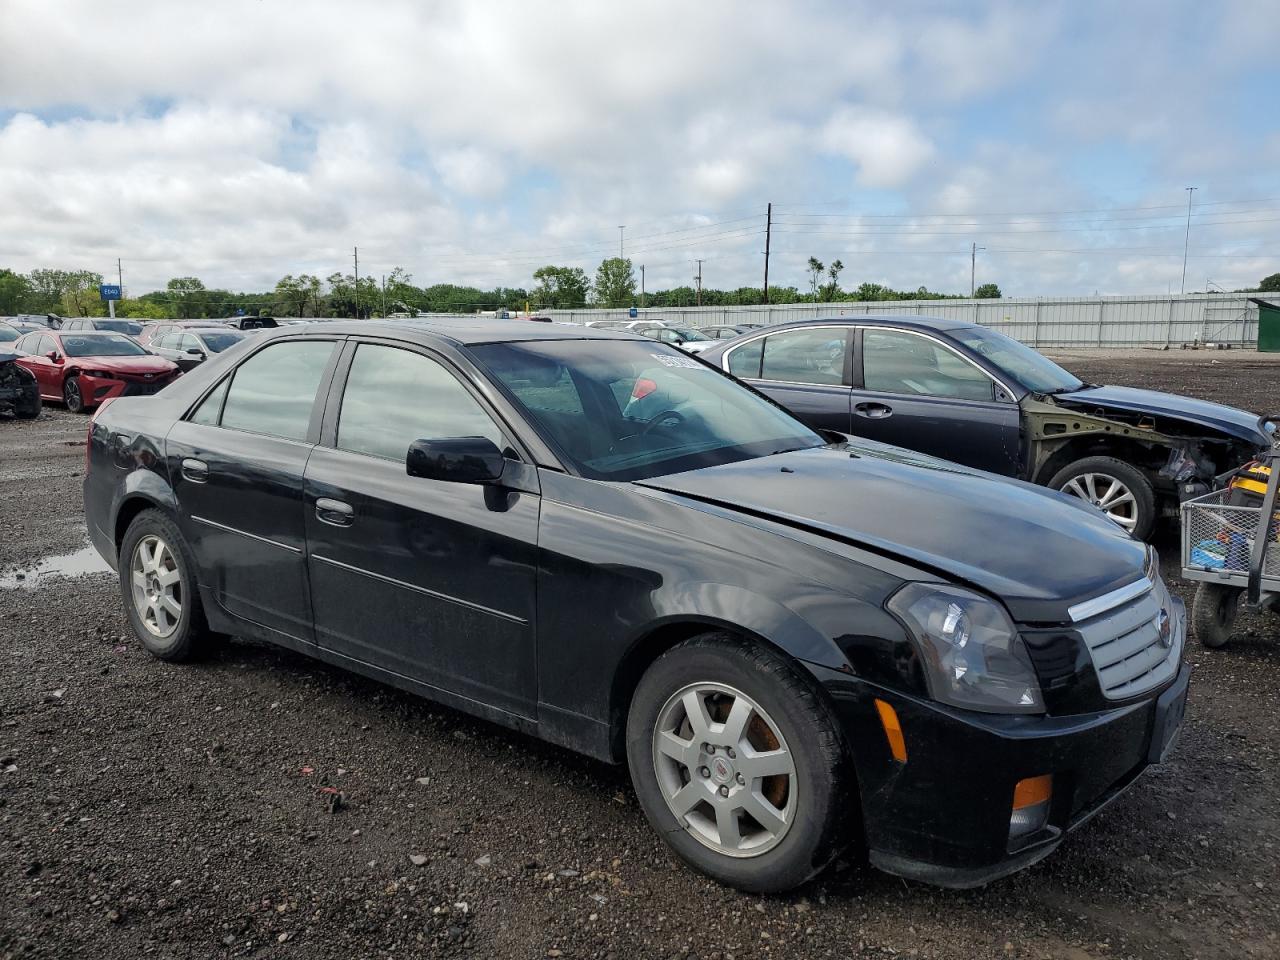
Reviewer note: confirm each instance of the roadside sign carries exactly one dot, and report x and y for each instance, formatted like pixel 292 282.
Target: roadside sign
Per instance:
pixel 109 291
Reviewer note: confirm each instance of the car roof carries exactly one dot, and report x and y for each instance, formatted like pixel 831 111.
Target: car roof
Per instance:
pixel 910 320
pixel 456 330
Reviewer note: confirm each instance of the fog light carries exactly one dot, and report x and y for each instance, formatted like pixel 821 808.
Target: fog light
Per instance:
pixel 1030 806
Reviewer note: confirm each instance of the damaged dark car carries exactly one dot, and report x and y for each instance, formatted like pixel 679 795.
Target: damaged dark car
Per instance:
pixel 974 396
pixel 19 392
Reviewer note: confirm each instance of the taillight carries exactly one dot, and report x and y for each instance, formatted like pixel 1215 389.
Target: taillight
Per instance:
pixel 88 437
pixel 644 386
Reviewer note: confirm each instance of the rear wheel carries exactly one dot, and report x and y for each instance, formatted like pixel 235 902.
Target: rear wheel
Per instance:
pixel 1213 613
pixel 1118 489
pixel 737 763
pixel 72 396
pixel 157 581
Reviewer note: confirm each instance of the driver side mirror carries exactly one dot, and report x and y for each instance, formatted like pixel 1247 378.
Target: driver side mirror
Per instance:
pixel 195 352
pixel 456 460
pixel 55 356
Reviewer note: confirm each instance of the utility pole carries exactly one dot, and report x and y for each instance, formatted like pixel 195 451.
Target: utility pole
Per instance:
pixel 1186 244
pixel 973 265
pixel 642 286
pixel 120 276
pixel 768 233
pixel 699 279
pixel 384 296
pixel 621 228
pixel 355 254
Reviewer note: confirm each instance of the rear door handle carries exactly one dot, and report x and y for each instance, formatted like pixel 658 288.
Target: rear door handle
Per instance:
pixel 873 411
pixel 334 512
pixel 197 471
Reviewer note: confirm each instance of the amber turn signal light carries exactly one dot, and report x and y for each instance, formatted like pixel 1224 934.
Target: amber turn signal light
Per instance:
pixel 1032 791
pixel 892 730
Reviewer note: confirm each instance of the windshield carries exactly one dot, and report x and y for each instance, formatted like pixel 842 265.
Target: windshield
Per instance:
pixel 689 334
pixel 1033 370
pixel 626 410
pixel 217 342
pixel 131 327
pixel 101 345
pixel 8 334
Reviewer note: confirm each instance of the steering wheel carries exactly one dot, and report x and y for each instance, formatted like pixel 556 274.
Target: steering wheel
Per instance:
pixel 663 416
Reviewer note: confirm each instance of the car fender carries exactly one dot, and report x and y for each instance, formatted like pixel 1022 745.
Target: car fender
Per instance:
pixel 726 606
pixel 142 488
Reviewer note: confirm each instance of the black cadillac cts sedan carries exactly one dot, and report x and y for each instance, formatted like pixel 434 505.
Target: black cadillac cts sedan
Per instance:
pixel 796 641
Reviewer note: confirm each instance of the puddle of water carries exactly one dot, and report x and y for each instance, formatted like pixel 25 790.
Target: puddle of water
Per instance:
pixel 84 561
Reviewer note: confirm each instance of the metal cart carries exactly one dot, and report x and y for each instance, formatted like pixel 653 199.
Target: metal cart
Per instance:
pixel 1223 551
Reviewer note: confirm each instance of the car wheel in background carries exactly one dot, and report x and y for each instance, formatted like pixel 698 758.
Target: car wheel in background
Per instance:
pixel 157 580
pixel 29 407
pixel 1213 613
pixel 72 396
pixel 1118 489
pixel 738 765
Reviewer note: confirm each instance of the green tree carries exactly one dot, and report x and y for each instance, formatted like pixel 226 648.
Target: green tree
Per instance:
pixel 560 288
pixel 832 288
pixel 615 283
pixel 15 292
pixel 1270 284
pixel 400 294
pixel 80 296
pixel 988 291
pixel 816 269
pixel 343 299
pixel 296 296
pixel 139 309
pixel 187 297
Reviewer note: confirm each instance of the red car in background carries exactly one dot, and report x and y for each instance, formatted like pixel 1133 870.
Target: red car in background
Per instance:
pixel 84 368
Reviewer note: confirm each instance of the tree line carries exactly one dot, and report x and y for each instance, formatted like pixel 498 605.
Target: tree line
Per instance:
pixel 74 293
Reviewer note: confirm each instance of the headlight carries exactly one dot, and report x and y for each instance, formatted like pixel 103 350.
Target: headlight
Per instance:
pixel 97 373
pixel 973 656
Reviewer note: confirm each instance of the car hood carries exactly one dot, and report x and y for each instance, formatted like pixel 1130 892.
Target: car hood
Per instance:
pixel 1240 424
pixel 134 365
pixel 1037 550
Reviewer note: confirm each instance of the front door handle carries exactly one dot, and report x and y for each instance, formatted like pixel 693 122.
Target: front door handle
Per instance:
pixel 334 512
pixel 197 471
pixel 873 411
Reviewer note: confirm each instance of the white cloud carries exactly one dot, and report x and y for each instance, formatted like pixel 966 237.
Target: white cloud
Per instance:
pixel 471 142
pixel 888 148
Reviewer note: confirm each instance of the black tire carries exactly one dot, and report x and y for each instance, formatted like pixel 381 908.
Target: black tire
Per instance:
pixel 71 394
pixel 821 821
pixel 1213 613
pixel 29 407
pixel 1144 495
pixel 191 637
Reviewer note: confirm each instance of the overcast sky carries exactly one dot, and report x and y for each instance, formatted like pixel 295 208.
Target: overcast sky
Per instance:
pixel 474 141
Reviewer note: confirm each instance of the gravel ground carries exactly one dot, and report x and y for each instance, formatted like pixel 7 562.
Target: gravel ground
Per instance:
pixel 184 811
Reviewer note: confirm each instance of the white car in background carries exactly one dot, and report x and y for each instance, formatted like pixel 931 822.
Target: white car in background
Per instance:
pixel 686 338
pixel 635 326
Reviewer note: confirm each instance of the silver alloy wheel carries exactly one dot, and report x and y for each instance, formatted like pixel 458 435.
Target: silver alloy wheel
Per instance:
pixel 156 586
pixel 1108 494
pixel 724 769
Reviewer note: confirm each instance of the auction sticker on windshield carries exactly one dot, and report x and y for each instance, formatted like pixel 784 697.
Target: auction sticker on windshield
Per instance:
pixel 670 361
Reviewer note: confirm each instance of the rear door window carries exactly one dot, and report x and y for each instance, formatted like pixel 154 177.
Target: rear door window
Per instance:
pixel 806 356
pixel 274 391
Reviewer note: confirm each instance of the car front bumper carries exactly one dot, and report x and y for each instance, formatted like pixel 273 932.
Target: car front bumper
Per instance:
pixel 943 815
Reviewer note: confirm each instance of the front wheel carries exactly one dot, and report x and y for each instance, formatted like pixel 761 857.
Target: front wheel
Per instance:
pixel 737 763
pixel 1120 490
pixel 1213 613
pixel 72 396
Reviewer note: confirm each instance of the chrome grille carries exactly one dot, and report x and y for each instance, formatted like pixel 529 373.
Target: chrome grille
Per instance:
pixel 1126 647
